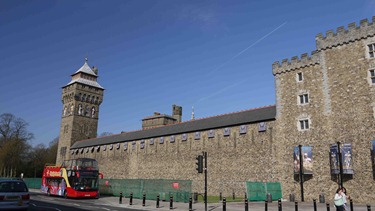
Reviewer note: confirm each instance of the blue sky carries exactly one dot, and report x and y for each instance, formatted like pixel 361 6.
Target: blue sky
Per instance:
pixel 214 55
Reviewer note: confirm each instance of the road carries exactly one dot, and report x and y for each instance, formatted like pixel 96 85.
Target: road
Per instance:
pixel 40 202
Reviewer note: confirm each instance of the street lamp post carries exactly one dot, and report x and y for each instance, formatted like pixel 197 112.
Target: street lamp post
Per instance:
pixel 340 164
pixel 301 172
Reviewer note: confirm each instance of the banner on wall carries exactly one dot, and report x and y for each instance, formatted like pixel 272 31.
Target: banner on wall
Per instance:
pixel 346 159
pixel 307 161
pixel 334 159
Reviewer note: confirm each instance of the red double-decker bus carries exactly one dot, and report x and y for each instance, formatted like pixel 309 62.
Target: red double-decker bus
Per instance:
pixel 76 178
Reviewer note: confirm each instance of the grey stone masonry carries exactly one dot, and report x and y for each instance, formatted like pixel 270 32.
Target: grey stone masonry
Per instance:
pixel 344 36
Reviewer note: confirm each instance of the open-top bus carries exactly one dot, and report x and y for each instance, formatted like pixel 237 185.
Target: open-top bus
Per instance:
pixel 76 178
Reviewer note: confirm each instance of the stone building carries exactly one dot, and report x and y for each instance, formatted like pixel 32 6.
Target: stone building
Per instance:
pixel 81 99
pixel 326 98
pixel 323 100
pixel 158 119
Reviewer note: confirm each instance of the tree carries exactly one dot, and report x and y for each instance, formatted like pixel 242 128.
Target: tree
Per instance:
pixel 37 157
pixel 13 144
pixel 52 151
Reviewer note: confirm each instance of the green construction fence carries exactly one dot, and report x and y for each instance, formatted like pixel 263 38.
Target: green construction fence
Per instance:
pixel 179 189
pixel 258 191
pixel 34 183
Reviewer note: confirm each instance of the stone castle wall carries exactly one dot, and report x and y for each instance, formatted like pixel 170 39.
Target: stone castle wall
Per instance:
pixel 340 109
pixel 232 160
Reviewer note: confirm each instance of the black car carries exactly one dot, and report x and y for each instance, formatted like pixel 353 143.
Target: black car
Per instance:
pixel 14 195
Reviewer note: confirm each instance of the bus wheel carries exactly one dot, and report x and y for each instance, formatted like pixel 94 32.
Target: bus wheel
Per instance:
pixel 66 194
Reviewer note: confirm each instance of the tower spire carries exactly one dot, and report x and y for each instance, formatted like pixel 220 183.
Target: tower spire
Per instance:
pixel 192 114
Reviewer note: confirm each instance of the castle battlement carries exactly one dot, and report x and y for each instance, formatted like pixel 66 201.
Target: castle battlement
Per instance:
pixel 295 63
pixel 344 36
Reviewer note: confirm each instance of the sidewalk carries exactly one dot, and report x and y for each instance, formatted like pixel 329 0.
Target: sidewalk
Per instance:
pixel 233 206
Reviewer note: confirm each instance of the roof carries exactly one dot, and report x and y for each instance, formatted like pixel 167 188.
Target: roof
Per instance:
pixel 85 69
pixel 158 116
pixel 86 82
pixel 267 113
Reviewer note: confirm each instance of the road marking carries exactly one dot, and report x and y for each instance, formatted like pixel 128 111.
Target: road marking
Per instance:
pixel 45 207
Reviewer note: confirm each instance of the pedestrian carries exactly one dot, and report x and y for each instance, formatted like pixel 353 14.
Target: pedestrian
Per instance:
pixel 346 198
pixel 339 200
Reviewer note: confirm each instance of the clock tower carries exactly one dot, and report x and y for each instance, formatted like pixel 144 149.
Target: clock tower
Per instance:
pixel 81 99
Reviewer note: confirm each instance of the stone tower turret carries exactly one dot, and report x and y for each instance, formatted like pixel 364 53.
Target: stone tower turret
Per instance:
pixel 177 112
pixel 81 99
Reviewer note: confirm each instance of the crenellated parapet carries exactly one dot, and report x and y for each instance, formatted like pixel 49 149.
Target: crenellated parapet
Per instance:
pixel 295 63
pixel 344 36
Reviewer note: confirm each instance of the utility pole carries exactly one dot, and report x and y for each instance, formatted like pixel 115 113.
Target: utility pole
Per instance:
pixel 340 164
pixel 202 167
pixel 301 171
pixel 205 180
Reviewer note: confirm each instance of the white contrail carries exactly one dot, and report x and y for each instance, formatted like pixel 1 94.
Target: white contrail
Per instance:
pixel 262 38
pixel 235 84
pixel 220 91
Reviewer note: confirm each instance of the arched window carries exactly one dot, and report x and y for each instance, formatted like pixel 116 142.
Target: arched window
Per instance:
pixel 80 109
pixel 72 109
pixel 84 98
pixel 93 112
pixel 65 110
pixel 87 111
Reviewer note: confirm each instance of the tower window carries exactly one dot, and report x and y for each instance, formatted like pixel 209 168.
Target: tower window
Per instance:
pixel 80 109
pixel 372 76
pixel 87 111
pixel 299 77
pixel 304 124
pixel 371 50
pixel 303 99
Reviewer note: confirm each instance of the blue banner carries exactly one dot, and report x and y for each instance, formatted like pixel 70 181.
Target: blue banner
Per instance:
pixel 307 161
pixel 346 159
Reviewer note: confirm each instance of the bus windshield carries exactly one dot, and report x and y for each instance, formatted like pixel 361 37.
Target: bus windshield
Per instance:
pixel 85 183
